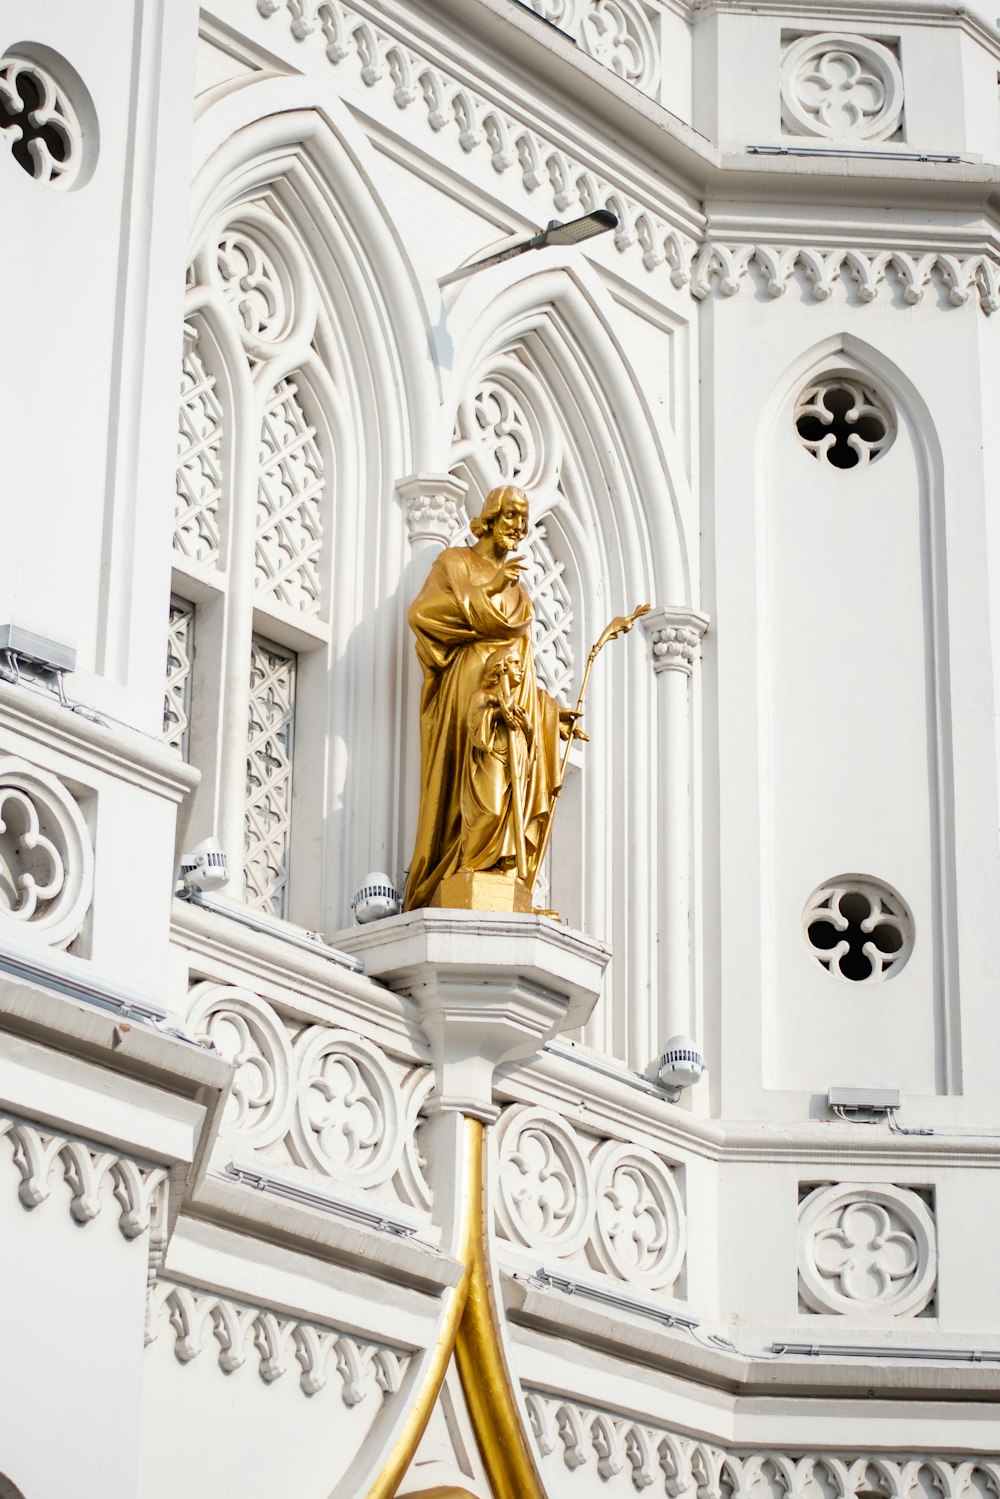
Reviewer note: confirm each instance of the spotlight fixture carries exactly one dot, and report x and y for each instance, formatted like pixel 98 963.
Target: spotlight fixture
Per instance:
pixel 555 233
pixel 680 1066
pixel 205 867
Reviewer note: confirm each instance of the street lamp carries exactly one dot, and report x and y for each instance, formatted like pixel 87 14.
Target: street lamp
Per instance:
pixel 555 233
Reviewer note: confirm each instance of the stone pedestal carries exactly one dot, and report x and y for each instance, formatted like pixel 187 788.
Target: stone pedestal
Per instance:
pixel 491 988
pixel 475 891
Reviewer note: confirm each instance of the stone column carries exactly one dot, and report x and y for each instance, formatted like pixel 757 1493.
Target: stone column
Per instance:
pixel 675 637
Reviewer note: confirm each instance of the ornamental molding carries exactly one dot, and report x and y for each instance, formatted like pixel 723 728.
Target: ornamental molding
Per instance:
pixel 864 273
pixel 486 130
pixel 675 637
pixel 38 1152
pixel 318 1099
pixel 46 857
pixel 866 1251
pixel 606 1205
pixel 560 183
pixel 601 1444
pixel 619 34
pixel 842 87
pixel 275 1342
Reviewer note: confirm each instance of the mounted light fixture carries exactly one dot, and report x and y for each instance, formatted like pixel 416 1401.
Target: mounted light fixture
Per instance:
pixel 555 233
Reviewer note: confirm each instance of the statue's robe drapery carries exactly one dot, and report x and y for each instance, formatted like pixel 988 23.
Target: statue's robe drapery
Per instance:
pixel 458 626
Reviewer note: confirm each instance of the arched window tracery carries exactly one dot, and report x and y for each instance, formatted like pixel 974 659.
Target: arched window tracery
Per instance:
pixel 252 533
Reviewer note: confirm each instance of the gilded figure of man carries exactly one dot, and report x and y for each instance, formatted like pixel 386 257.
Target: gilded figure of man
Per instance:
pixel 489 734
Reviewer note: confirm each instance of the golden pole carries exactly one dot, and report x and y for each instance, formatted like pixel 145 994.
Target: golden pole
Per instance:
pixel 620 625
pixel 406 1443
pixel 471 1330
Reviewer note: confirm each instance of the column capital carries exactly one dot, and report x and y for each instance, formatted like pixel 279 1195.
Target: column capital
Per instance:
pixel 675 636
pixel 433 507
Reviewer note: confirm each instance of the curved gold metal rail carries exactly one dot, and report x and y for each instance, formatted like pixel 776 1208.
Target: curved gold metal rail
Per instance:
pixel 471 1330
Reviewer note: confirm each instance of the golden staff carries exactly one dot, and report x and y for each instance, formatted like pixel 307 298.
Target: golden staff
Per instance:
pixel 620 625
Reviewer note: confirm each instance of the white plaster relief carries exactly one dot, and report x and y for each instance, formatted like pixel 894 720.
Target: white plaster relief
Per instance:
pixel 199 458
pixel 268 808
pixel 844 423
pixel 858 929
pixel 46 857
pixel 866 1251
pixel 276 1343
pixel 620 29
pixel 552 629
pixel 433 508
pixel 180 660
pixel 250 1035
pixel 842 87
pixel 289 504
pixel 507 432
pixel 612 1205
pixel 863 272
pixel 36 1152
pixel 544 163
pixel 601 1447
pixel 675 637
pixel 315 1097
pixel 38 121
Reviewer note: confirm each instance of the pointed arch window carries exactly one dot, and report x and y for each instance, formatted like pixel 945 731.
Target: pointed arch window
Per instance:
pixel 251 539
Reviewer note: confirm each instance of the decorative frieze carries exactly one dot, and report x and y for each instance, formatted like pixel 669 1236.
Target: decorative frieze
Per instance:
pixel 46 857
pixel 600 1445
pixel 315 1097
pixel 547 168
pixel 275 1342
pixel 613 1205
pixel 863 273
pixel 866 1251
pixel 37 1152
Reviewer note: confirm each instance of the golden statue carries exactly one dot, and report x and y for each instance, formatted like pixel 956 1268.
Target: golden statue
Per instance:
pixel 489 735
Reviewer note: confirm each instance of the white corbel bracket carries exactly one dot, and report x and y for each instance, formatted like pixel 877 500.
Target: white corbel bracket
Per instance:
pixel 675 636
pixel 490 988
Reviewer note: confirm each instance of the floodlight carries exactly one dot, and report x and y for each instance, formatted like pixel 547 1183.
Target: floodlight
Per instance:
pixel 555 233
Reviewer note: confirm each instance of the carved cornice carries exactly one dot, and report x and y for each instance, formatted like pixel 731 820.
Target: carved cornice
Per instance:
pixel 37 1151
pixel 675 637
pixel 537 153
pixel 595 1441
pixel 960 277
pixel 276 1341
pixel 662 234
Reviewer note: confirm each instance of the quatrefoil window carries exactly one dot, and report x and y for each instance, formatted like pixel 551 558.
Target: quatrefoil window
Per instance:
pixel 46 117
pixel 858 929
pixel 843 423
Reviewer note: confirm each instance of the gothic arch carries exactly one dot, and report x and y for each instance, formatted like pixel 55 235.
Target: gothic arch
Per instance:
pixel 363 381
pixel 857 557
pixel 619 525
pixel 565 314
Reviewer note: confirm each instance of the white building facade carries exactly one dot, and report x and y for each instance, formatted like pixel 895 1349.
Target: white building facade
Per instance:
pixel 246 404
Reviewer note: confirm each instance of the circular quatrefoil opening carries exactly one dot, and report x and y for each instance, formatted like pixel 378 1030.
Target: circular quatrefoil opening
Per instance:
pixel 858 928
pixel 844 423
